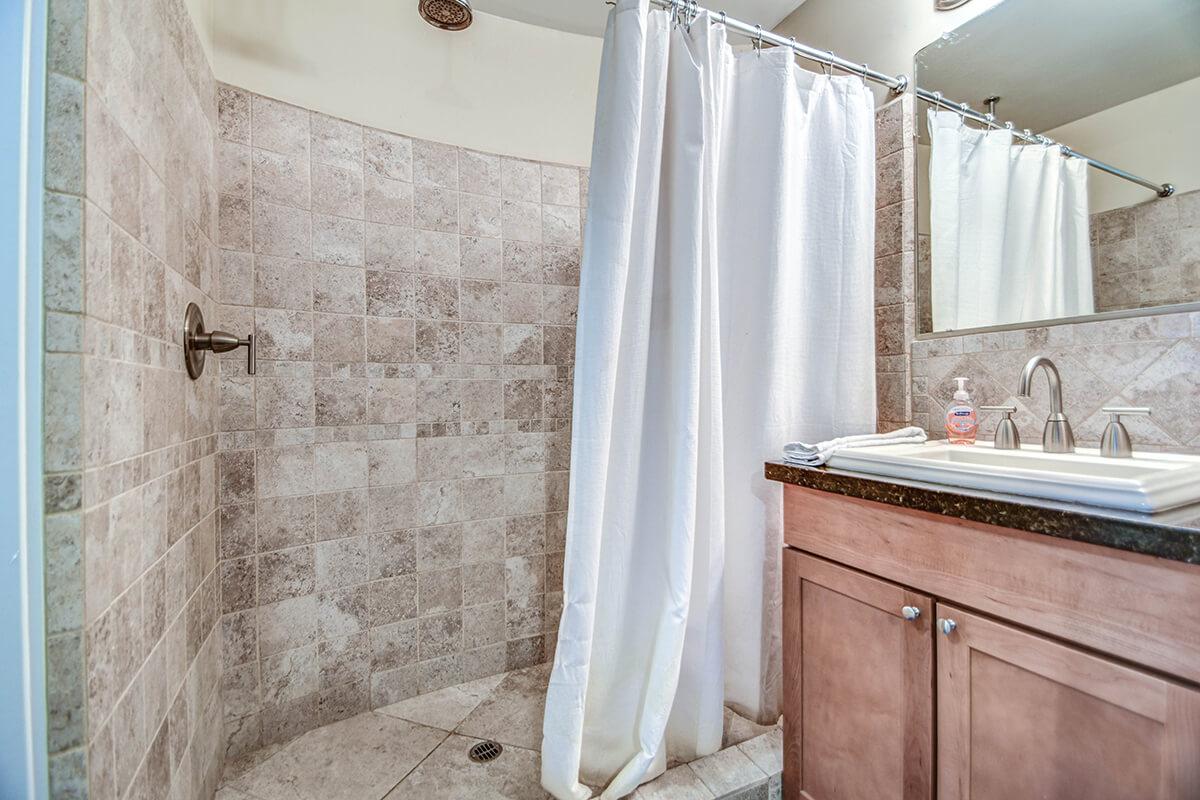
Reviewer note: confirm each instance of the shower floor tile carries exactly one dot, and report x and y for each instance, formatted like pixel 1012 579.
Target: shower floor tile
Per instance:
pixel 417 750
pixel 512 715
pixel 449 774
pixel 445 708
pixel 359 758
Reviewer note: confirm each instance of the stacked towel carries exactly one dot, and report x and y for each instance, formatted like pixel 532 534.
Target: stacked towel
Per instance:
pixel 814 455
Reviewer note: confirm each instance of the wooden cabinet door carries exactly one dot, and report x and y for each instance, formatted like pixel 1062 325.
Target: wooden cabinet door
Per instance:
pixel 858 685
pixel 1022 716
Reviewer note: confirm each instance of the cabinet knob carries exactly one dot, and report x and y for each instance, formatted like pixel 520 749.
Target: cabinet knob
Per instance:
pixel 910 612
pixel 947 626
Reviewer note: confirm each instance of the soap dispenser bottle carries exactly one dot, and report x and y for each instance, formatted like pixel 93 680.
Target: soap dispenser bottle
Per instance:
pixel 961 420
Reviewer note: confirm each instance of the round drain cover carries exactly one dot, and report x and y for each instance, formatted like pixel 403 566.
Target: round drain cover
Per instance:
pixel 485 751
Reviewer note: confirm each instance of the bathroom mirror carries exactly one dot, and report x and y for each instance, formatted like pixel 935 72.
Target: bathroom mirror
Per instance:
pixel 1013 232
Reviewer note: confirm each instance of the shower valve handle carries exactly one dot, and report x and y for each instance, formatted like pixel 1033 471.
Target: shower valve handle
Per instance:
pixel 197 341
pixel 222 342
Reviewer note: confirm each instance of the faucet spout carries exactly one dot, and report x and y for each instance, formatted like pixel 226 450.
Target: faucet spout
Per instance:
pixel 1052 376
pixel 1057 436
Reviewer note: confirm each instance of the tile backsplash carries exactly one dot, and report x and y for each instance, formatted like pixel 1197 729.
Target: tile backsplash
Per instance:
pixel 393 482
pixel 1153 360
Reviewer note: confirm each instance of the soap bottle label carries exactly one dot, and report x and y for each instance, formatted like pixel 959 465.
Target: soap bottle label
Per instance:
pixel 961 424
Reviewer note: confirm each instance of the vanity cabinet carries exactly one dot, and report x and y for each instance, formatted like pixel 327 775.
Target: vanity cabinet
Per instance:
pixel 859 680
pixel 1033 667
pixel 1020 715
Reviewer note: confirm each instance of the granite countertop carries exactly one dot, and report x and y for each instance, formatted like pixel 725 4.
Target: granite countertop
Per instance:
pixel 1171 534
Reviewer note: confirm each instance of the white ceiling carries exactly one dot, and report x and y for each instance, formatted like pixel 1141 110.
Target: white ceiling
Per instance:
pixel 588 16
pixel 1052 63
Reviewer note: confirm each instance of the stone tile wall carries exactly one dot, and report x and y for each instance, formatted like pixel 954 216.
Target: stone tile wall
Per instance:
pixel 130 441
pixel 895 207
pixel 1152 360
pixel 1148 254
pixel 393 481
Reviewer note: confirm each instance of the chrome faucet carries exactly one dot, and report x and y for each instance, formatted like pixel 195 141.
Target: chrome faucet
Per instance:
pixel 1056 436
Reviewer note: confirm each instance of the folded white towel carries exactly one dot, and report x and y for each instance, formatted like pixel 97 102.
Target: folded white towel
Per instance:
pixel 812 455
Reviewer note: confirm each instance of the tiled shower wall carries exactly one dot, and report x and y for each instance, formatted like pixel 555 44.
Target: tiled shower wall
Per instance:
pixel 1152 360
pixel 393 481
pixel 130 441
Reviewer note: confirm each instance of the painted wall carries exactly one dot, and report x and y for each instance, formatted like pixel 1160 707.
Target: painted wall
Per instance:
pixel 500 86
pixel 897 29
pixel 1153 136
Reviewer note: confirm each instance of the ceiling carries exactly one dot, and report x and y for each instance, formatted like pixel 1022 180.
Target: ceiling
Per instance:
pixel 1053 63
pixel 588 16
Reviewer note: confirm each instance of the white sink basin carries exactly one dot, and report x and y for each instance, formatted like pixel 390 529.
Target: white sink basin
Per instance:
pixel 1147 482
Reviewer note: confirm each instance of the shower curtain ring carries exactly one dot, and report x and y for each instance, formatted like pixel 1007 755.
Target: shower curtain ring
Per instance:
pixel 758 40
pixel 724 16
pixel 865 68
pixel 827 66
pixel 963 108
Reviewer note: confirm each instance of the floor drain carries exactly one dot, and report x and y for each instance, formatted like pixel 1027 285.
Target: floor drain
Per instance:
pixel 485 751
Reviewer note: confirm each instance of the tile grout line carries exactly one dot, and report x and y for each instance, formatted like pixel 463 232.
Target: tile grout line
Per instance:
pixel 433 750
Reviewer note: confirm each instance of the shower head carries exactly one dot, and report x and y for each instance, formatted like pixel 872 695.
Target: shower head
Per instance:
pixel 449 15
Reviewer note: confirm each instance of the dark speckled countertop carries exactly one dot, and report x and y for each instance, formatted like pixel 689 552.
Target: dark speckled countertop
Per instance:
pixel 1171 534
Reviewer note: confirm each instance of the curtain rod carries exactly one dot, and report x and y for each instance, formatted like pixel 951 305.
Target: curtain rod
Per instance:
pixel 898 84
pixel 989 121
pixel 691 8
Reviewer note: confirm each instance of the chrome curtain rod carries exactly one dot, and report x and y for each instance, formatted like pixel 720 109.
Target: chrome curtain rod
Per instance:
pixel 689 9
pixel 989 120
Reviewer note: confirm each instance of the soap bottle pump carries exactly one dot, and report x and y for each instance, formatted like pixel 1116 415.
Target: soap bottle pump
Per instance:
pixel 961 421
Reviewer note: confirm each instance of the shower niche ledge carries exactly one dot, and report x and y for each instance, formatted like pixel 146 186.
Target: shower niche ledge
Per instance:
pixel 927 655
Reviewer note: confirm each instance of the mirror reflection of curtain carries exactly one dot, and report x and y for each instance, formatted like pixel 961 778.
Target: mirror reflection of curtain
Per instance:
pixel 1008 228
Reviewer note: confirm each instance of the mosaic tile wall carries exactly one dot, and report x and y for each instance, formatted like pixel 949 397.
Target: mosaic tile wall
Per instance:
pixel 130 442
pixel 393 482
pixel 1152 360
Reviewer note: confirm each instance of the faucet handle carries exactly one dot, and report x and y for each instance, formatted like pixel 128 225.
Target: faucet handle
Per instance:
pixel 1115 442
pixel 1007 437
pixel 1117 412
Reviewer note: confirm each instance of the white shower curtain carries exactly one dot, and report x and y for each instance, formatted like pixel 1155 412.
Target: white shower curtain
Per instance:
pixel 1008 228
pixel 726 307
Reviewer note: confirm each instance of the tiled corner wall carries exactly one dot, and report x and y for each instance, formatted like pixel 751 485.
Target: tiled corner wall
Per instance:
pixel 1152 360
pixel 130 441
pixel 1148 254
pixel 393 480
pixel 895 206
pixel 62 412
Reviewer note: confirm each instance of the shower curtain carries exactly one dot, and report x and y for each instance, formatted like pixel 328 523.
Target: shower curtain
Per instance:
pixel 1008 228
pixel 726 307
